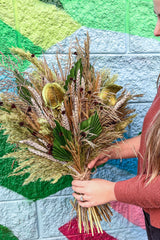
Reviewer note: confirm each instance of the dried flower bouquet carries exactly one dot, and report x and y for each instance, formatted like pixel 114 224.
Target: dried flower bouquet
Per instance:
pixel 61 120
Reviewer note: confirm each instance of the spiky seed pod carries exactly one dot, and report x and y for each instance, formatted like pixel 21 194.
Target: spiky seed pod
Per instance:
pixel 42 141
pixel 72 92
pixel 39 107
pixel 73 89
pixel 78 82
pixel 28 56
pixel 120 102
pixel 36 108
pixel 44 155
pixel 75 112
pixel 65 122
pixel 53 94
pixel 35 94
pixel 99 83
pixel 34 144
pixel 83 87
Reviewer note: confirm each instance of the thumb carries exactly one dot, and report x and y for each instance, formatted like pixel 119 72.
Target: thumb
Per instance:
pixel 92 163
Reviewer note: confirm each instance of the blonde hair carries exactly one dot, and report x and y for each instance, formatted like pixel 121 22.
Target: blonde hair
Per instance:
pixel 151 163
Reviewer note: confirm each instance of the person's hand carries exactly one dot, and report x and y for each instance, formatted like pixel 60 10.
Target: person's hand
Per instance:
pixel 100 159
pixel 93 192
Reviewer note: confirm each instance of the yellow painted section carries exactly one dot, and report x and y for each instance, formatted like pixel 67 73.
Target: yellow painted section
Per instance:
pixel 44 24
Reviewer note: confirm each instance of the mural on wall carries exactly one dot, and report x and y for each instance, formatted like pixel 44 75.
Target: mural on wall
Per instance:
pixel 120 31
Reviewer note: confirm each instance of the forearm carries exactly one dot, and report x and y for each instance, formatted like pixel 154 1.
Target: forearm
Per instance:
pixel 135 191
pixel 125 149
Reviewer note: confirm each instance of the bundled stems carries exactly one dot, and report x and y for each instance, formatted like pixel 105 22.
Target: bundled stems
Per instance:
pixel 90 218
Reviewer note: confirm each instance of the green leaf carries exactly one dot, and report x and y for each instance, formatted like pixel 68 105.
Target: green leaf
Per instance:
pixel 4 109
pixel 61 135
pixel 22 90
pixel 92 125
pixel 6 234
pixel 73 73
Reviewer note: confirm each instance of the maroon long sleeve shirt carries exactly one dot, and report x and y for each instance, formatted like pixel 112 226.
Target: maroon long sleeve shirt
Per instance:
pixel 134 191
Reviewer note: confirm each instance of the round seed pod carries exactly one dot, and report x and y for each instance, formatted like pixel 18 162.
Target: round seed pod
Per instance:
pixel 53 94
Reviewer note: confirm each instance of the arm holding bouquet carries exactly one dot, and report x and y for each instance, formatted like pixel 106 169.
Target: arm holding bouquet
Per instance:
pixel 142 190
pixel 124 149
pixel 99 191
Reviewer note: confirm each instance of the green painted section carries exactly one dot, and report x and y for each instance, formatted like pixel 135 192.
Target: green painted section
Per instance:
pixel 99 14
pixel 6 234
pixel 142 19
pixel 44 24
pixel 9 38
pixel 127 16
pixel 33 191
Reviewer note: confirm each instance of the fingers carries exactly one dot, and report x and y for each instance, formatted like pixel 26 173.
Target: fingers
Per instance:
pixel 92 163
pixel 86 204
pixel 78 197
pixel 78 189
pixel 79 183
pixel 97 161
pixel 78 186
pixel 101 162
pixel 86 200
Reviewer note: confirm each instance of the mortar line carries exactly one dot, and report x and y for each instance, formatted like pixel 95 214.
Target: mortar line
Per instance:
pixel 113 54
pixel 37 220
pixel 32 201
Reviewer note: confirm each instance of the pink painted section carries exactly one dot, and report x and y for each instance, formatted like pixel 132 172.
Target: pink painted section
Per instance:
pixel 70 231
pixel 133 213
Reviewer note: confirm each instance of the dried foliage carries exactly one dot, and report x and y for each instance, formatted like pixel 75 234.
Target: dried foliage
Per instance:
pixel 61 119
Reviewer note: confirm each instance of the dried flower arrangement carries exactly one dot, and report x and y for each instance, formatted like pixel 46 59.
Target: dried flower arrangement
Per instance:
pixel 60 120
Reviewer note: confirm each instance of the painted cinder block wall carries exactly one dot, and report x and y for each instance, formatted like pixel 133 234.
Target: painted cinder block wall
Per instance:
pixel 122 40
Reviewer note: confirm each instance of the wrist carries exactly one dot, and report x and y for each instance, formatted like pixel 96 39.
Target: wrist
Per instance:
pixel 113 196
pixel 110 186
pixel 113 152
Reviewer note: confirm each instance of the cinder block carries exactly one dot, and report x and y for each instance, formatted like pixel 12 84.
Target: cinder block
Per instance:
pixel 141 110
pixel 52 214
pixel 101 41
pixel 20 217
pixel 138 74
pixel 8 195
pixel 128 233
pixel 142 45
